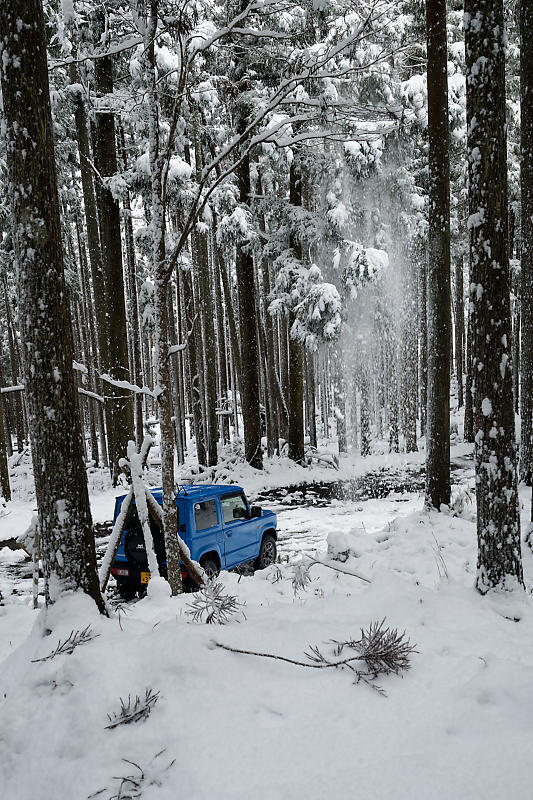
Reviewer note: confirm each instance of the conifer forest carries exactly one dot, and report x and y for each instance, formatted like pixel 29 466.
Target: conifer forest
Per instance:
pixel 284 246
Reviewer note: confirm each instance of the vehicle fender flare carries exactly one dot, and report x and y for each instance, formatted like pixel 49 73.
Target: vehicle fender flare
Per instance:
pixel 210 552
pixel 268 529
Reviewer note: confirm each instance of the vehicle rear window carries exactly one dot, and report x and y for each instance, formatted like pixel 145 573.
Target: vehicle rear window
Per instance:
pixel 205 515
pixel 229 504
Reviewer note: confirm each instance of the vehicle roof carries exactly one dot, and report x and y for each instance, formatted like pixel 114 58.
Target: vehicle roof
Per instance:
pixel 196 492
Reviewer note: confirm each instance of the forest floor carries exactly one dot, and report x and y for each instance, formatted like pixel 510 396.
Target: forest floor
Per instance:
pixel 457 724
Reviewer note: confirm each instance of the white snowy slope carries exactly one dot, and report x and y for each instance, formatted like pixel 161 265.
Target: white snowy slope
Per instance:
pixel 456 725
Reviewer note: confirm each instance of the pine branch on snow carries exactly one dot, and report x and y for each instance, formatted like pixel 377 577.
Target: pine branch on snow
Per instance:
pixel 383 651
pixel 74 639
pixel 211 602
pixel 133 710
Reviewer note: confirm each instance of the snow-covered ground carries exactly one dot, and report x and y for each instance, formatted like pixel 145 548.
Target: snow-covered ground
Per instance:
pixel 456 725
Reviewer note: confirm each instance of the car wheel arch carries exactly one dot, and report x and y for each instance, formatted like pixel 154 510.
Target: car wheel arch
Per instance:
pixel 214 555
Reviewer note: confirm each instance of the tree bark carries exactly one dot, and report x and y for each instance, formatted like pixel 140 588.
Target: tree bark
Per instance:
pixel 162 278
pixel 250 382
pixel 498 521
pixel 133 304
pixel 423 341
pixel 526 186
pixel 459 328
pixel 115 355
pixel 438 279
pixel 295 398
pixel 207 321
pixel 65 524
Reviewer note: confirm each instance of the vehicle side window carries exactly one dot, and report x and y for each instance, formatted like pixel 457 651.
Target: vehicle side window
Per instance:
pixel 205 515
pixel 233 508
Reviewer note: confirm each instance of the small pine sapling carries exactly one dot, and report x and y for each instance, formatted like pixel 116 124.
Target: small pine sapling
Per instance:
pixel 211 602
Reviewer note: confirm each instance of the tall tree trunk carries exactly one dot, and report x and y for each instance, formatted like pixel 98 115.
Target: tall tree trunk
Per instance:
pixel 365 413
pixel 423 340
pixel 221 344
pixel 295 399
pixel 250 384
pixel 409 356
pixel 99 334
pixel 133 303
pixel 311 396
pixel 526 185
pixel 498 521
pixel 205 298
pixel 65 524
pixel 192 322
pixel 115 356
pixel 5 487
pixel 438 283
pixel 162 278
pixel 459 328
pixel 469 396
pixel 15 366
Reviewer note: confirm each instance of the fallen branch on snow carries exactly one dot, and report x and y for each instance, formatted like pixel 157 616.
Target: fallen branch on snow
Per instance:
pixel 301 577
pixel 133 710
pixel 74 639
pixel 383 650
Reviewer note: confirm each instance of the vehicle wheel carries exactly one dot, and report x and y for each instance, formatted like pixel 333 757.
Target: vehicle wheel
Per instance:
pixel 126 590
pixel 267 553
pixel 210 566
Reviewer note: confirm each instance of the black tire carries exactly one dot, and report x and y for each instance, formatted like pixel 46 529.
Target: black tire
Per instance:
pixel 267 553
pixel 126 590
pixel 210 567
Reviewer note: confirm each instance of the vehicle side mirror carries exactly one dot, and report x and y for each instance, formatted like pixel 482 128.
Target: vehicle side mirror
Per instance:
pixel 256 511
pixel 239 513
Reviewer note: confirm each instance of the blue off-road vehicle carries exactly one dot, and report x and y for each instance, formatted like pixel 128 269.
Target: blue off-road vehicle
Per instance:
pixel 218 525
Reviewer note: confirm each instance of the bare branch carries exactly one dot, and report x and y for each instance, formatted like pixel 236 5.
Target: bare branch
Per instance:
pixel 74 639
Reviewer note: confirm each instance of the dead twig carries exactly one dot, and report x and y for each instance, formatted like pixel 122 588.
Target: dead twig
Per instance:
pixel 133 710
pixel 74 639
pixel 131 786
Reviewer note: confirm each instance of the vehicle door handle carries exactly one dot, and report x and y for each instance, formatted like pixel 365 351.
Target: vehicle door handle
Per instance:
pixel 228 534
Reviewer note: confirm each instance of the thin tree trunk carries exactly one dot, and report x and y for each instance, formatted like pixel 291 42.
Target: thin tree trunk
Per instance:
pixel 250 381
pixel 119 409
pixel 221 343
pixel 192 322
pixel 162 278
pixel 438 282
pixel 311 397
pixel 459 328
pixel 133 303
pixel 423 336
pixel 296 353
pixel 15 367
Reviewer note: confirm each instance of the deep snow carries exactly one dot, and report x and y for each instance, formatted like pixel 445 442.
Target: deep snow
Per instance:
pixel 457 725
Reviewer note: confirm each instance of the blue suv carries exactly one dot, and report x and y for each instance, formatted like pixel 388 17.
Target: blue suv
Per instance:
pixel 218 525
